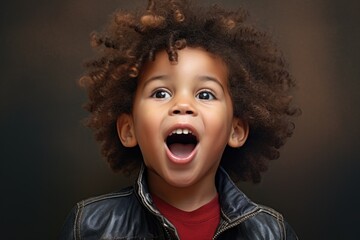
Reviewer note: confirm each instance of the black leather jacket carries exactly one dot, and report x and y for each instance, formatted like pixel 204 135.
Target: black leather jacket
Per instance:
pixel 130 214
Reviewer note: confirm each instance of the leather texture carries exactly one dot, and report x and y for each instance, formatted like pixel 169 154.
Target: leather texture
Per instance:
pixel 130 214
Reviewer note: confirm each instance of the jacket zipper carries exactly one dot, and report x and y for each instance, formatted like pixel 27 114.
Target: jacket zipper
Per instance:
pixel 244 218
pixel 164 224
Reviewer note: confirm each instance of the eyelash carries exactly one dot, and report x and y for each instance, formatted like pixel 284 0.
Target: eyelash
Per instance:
pixel 208 93
pixel 160 91
pixel 161 94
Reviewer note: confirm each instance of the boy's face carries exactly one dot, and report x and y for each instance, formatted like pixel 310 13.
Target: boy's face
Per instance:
pixel 182 118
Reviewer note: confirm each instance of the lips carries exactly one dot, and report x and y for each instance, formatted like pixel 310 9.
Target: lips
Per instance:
pixel 181 144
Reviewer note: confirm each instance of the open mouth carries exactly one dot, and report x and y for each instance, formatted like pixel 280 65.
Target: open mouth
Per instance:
pixel 181 142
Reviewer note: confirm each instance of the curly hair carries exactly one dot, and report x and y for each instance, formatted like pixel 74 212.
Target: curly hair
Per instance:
pixel 259 82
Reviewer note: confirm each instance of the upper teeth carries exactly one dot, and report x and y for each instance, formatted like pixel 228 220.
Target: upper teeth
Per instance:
pixel 181 131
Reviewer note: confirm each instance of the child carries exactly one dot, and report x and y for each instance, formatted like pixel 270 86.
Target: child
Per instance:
pixel 187 96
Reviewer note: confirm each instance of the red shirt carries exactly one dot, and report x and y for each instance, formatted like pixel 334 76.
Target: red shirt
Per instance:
pixel 198 224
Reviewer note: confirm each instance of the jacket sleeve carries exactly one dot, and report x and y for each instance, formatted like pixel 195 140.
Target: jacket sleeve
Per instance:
pixel 289 232
pixel 68 229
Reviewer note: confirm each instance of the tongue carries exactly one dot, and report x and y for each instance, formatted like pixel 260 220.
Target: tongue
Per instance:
pixel 181 150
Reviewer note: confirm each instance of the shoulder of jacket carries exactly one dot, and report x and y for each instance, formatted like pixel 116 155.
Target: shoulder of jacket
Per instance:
pixel 285 230
pixel 123 194
pixel 271 212
pixel 103 207
pixel 269 221
pixel 94 215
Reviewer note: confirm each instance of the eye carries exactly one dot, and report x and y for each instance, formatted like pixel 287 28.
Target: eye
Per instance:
pixel 205 95
pixel 161 93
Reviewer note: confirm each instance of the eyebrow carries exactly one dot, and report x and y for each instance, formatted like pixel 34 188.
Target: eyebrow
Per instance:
pixel 212 79
pixel 201 77
pixel 156 77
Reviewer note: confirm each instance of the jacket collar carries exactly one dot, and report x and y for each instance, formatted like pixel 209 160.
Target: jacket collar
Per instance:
pixel 234 204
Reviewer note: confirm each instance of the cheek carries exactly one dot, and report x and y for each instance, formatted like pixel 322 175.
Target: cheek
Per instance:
pixel 146 123
pixel 220 121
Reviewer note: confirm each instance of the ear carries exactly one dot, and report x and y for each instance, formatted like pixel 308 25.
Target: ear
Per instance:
pixel 125 129
pixel 239 133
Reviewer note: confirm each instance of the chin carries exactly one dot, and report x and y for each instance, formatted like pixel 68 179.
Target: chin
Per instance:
pixel 180 181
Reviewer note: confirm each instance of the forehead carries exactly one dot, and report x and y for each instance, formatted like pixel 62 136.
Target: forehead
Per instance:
pixel 193 61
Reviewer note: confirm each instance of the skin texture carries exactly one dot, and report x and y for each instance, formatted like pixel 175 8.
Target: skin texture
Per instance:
pixel 258 79
pixel 192 94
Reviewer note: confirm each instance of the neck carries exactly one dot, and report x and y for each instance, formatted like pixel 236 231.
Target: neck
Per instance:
pixel 187 198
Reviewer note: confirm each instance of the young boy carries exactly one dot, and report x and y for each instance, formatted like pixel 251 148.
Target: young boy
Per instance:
pixel 186 95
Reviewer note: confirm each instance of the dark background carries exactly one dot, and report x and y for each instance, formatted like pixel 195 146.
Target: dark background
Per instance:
pixel 49 161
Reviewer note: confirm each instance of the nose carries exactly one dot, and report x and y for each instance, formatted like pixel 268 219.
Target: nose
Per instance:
pixel 183 108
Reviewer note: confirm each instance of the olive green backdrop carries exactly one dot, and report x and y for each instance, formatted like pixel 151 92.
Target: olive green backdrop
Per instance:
pixel 49 161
